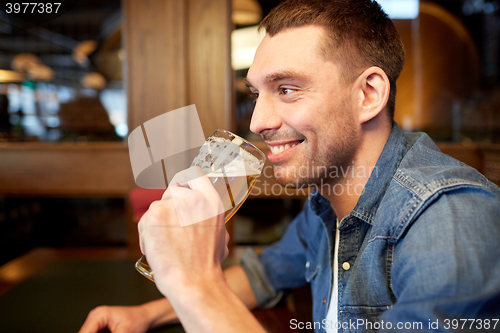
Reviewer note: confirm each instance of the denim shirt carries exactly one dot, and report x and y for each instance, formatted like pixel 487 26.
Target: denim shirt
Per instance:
pixel 420 248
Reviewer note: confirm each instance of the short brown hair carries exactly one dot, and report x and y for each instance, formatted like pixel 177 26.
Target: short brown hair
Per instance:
pixel 360 34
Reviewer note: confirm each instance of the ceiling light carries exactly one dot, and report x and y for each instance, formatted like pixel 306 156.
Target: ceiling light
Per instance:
pixel 400 9
pixel 11 76
pixel 244 43
pixel 246 12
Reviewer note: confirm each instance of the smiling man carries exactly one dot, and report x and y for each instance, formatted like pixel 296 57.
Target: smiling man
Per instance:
pixel 309 114
pixel 402 238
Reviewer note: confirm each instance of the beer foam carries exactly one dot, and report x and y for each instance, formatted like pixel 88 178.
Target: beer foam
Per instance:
pixel 234 163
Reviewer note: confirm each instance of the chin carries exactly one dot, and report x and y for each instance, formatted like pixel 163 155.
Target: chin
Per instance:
pixel 293 183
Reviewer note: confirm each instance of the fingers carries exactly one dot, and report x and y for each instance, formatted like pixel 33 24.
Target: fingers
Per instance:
pixel 94 323
pixel 160 213
pixel 182 178
pixel 226 249
pixel 199 201
pixel 198 180
pixel 186 181
pixel 166 194
pixel 190 198
pixel 193 178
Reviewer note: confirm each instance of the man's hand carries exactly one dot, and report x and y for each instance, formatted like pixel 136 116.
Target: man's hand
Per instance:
pixel 118 319
pixel 186 262
pixel 188 253
pixel 130 319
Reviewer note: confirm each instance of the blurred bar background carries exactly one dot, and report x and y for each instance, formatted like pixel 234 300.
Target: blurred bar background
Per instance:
pixel 72 88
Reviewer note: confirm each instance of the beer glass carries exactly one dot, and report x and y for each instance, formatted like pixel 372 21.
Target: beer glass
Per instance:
pixel 233 165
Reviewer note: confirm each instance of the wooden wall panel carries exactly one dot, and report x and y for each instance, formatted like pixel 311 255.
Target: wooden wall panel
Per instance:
pixel 93 169
pixel 178 53
pixel 209 54
pixel 154 34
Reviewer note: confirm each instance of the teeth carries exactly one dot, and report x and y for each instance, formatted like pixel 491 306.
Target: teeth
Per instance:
pixel 280 149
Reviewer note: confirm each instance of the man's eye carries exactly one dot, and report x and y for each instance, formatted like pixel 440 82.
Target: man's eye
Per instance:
pixel 286 91
pixel 255 95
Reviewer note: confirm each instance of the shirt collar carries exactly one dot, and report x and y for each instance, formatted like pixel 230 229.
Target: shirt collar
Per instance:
pixel 380 178
pixel 373 193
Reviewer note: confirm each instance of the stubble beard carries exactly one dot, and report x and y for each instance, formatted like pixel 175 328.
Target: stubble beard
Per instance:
pixel 317 170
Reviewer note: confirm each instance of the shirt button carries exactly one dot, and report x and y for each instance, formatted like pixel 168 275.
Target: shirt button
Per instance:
pixel 346 266
pixel 308 264
pixel 323 301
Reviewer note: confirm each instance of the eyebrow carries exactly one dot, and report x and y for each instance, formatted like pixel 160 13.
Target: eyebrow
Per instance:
pixel 281 75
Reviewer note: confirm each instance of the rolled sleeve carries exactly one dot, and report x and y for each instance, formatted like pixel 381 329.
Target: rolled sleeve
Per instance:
pixel 267 297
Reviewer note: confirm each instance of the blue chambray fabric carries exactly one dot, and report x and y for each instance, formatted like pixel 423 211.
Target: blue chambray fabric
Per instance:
pixel 422 245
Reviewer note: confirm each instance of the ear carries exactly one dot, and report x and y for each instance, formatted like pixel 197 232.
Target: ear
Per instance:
pixel 372 91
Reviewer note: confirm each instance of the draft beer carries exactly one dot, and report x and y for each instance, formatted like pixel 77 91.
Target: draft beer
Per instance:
pixel 233 165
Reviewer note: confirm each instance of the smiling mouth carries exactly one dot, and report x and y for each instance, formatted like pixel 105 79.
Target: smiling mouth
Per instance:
pixel 281 148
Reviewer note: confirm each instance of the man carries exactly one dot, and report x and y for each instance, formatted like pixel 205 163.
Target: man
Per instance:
pixel 396 236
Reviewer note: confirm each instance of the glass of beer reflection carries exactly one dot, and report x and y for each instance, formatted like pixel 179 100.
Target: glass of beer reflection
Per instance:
pixel 233 165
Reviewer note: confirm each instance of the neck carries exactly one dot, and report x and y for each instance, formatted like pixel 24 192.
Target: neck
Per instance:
pixel 345 194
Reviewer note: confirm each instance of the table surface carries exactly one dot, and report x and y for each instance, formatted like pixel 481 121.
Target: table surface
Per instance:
pixel 52 290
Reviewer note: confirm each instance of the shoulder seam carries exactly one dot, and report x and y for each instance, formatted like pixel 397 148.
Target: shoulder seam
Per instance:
pixel 424 195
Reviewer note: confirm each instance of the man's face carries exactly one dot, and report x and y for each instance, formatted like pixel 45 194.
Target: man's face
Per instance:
pixel 302 111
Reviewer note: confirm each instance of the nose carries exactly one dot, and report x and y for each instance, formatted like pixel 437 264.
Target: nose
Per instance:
pixel 265 118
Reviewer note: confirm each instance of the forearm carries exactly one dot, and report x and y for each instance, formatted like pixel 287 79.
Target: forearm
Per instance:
pixel 161 311
pixel 209 304
pixel 238 282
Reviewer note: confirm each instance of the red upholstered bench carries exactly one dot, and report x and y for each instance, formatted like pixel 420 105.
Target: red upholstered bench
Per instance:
pixel 141 199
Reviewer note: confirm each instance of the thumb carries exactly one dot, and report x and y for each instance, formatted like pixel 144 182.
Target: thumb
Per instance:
pixel 91 327
pixel 121 329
